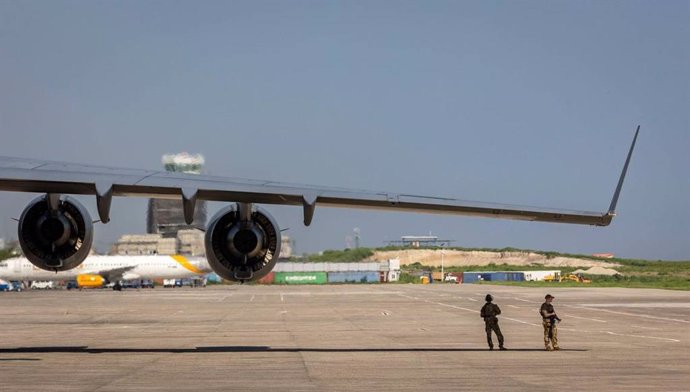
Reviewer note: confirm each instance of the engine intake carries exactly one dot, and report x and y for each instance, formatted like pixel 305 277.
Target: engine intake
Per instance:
pixel 55 234
pixel 242 248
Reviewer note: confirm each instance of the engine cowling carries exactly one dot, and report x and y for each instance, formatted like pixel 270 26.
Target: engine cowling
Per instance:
pixel 241 249
pixel 57 235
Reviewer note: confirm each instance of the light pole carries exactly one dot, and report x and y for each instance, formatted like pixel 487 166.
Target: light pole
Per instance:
pixel 443 276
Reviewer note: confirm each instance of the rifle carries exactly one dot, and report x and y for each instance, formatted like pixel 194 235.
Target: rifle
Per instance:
pixel 552 322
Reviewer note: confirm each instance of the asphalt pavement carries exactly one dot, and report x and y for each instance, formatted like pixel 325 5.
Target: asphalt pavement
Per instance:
pixel 341 338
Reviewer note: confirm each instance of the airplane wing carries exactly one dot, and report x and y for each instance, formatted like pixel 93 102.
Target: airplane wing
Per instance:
pixel 29 175
pixel 116 274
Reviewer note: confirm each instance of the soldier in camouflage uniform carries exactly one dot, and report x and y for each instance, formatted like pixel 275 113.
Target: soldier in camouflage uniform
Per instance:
pixel 549 320
pixel 488 313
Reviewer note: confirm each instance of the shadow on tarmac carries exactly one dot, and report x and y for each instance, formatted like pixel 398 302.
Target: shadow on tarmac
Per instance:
pixel 242 349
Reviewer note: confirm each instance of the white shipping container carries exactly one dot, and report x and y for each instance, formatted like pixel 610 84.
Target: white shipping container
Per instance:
pixel 539 275
pixel 394 264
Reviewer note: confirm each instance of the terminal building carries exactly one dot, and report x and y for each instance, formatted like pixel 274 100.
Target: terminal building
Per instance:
pixel 420 241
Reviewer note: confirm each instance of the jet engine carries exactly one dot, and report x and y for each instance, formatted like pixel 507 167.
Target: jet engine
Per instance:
pixel 242 243
pixel 55 233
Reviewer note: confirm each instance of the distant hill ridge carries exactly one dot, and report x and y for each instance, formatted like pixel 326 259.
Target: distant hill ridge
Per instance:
pixel 459 258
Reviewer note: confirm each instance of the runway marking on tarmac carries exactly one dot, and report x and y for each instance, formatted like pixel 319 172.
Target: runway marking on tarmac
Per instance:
pixel 539 325
pixel 282 299
pixel 468 310
pixel 642 336
pixel 339 293
pixel 472 299
pixel 524 300
pixel 632 314
pixel 513 306
pixel 640 326
pixel 223 298
pixel 252 298
pixel 520 321
pixel 438 303
pixel 475 311
pixel 585 318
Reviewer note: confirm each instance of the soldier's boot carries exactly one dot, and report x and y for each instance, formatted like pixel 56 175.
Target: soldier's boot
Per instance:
pixel 556 348
pixel 502 348
pixel 491 348
pixel 548 348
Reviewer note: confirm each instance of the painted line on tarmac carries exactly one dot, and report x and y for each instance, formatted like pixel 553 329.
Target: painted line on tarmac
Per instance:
pixel 524 300
pixel 632 314
pixel 223 298
pixel 469 310
pixel 439 303
pixel 538 325
pixel 339 293
pixel 472 299
pixel 654 305
pixel 520 321
pixel 252 298
pixel 644 337
pixel 513 306
pixel 585 318
pixel 640 326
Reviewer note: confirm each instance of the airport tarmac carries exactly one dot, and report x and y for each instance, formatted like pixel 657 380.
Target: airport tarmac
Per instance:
pixel 341 338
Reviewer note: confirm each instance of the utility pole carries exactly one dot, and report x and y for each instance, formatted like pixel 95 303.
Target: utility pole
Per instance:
pixel 443 275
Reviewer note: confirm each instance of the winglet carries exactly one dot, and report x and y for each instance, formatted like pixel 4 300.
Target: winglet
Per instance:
pixel 614 201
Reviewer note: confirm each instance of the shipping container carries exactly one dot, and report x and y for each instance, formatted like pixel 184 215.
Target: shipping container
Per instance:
pixel 516 276
pixel 329 267
pixel 213 278
pixel 300 278
pixel 540 275
pixel 488 276
pixel 268 279
pixel 354 277
pixel 393 276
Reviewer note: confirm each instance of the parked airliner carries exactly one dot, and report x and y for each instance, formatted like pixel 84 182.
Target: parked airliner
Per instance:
pixel 96 271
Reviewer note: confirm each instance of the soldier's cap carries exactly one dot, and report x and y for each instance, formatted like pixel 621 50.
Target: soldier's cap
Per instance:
pixel 549 296
pixel 489 298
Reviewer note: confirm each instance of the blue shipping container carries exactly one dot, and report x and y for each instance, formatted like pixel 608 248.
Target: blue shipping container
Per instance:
pixel 515 276
pixel 477 276
pixel 353 277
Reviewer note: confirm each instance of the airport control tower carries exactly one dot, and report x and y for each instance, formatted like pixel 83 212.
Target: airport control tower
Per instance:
pixel 165 217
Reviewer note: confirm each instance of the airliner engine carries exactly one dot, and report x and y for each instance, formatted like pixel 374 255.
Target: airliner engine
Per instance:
pixel 55 233
pixel 242 243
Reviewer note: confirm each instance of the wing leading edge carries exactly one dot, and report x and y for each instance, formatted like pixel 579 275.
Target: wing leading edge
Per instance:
pixel 27 175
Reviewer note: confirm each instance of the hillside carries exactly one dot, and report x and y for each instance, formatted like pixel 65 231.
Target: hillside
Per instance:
pixel 460 258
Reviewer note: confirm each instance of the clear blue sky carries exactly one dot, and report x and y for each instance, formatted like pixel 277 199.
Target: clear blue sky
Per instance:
pixel 529 102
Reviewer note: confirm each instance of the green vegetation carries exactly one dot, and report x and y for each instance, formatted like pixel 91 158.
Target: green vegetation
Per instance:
pixel 652 282
pixel 634 272
pixel 5 254
pixel 407 278
pixel 339 256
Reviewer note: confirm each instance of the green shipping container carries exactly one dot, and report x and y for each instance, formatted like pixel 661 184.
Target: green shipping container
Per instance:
pixel 300 278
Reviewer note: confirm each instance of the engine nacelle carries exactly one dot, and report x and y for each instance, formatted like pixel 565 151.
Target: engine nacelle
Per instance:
pixel 242 249
pixel 55 235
